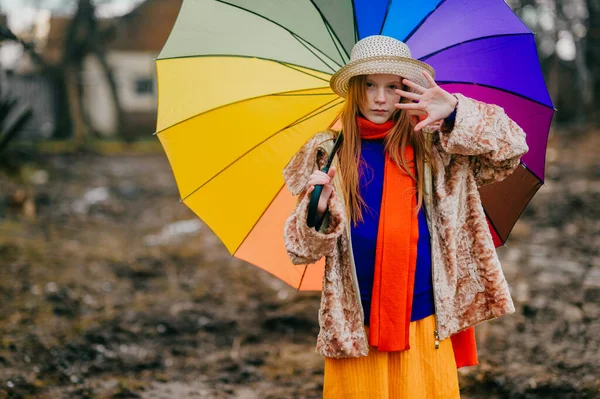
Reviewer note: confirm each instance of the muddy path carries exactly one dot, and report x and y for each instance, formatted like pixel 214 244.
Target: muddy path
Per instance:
pixel 109 288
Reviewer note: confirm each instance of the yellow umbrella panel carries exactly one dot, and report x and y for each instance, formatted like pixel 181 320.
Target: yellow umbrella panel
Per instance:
pixel 229 128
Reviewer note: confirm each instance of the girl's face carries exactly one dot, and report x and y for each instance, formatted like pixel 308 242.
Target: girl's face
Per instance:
pixel 380 97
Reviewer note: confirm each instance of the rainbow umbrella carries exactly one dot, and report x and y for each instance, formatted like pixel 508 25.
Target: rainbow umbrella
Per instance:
pixel 244 84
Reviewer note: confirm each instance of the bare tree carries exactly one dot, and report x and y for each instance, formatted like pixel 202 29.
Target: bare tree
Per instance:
pixel 84 37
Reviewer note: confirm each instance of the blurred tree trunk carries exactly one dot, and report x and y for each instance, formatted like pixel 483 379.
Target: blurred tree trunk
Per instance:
pixel 64 125
pixel 80 122
pixel 585 84
pixel 112 83
pixel 100 53
pixel 74 52
pixel 592 56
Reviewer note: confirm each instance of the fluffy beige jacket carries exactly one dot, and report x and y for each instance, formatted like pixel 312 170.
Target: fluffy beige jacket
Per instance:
pixel 484 146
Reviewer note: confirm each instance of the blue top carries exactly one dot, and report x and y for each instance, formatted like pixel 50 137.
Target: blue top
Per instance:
pixel 364 236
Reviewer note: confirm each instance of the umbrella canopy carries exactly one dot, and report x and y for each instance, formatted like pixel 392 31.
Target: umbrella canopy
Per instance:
pixel 243 85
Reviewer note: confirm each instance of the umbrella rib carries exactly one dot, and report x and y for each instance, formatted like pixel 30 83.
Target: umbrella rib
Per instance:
pixel 443 82
pixel 241 101
pixel 302 278
pixel 355 20
pixel 328 27
pixel 238 56
pixel 275 23
pixel 503 241
pixel 541 183
pixel 312 115
pixel 255 224
pixel 313 53
pixel 256 146
pixel 305 118
pixel 328 24
pixel 518 18
pixel 295 68
pixel 523 164
pixel 531 171
pixel 260 217
pixel 302 95
pixel 425 57
pixel 423 21
pixel 387 10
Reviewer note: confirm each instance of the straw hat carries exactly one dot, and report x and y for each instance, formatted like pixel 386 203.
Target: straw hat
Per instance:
pixel 380 55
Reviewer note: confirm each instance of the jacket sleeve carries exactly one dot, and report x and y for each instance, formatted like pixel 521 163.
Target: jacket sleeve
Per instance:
pixel 485 133
pixel 304 244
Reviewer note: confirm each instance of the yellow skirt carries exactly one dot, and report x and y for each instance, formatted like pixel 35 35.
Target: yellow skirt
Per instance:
pixel 422 372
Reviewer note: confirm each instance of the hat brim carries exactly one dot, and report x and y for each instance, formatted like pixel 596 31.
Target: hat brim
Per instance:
pixel 408 68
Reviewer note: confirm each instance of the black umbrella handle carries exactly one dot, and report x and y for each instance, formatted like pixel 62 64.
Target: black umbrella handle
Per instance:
pixel 313 219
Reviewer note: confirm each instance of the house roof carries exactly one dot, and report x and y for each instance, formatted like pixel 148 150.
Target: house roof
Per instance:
pixel 146 28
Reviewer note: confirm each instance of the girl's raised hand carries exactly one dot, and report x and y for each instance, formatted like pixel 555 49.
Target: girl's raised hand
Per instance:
pixel 436 102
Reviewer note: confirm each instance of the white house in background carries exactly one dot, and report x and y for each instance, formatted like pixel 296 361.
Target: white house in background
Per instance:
pixel 138 38
pixel 136 83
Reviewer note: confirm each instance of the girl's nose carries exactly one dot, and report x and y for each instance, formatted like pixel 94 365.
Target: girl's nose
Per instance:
pixel 380 96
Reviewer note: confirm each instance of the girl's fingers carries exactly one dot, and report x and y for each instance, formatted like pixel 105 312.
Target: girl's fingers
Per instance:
pixel 311 187
pixel 318 173
pixel 331 172
pixel 408 106
pixel 424 123
pixel 409 94
pixel 319 180
pixel 414 86
pixel 429 79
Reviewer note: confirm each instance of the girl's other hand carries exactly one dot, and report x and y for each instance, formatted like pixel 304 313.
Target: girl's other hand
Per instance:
pixel 326 179
pixel 436 102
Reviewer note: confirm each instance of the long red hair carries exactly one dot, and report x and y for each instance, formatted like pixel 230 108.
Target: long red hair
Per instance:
pixel 401 135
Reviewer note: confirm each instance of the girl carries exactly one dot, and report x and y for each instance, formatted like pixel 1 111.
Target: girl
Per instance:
pixel 410 262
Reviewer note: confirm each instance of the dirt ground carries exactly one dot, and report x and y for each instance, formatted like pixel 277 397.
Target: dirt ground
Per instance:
pixel 110 288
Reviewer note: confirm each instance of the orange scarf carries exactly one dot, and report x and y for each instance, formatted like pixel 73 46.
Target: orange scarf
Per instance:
pixel 396 253
pixel 396 258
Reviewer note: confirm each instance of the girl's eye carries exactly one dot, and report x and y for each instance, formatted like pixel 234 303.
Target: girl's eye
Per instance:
pixel 369 84
pixel 393 87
